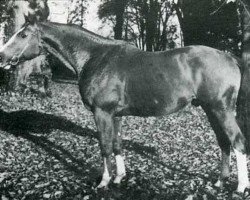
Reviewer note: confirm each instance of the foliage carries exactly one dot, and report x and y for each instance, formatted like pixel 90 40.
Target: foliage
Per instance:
pixel 211 23
pixel 117 8
pixel 77 10
pixel 145 22
pixel 49 150
pixel 245 16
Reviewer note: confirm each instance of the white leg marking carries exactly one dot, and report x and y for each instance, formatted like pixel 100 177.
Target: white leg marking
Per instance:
pixel 243 181
pixel 120 169
pixel 105 176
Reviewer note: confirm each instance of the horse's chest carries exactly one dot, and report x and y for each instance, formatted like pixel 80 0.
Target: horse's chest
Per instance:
pixel 103 90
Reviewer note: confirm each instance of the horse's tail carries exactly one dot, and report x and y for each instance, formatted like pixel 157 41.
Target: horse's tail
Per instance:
pixel 243 103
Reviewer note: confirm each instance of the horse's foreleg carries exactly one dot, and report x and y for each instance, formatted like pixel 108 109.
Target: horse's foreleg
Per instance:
pixel 120 166
pixel 105 127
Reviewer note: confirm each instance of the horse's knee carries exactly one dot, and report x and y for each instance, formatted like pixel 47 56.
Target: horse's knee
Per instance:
pixel 106 149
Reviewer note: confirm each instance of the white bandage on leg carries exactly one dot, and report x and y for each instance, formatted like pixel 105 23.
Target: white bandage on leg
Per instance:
pixel 120 169
pixel 105 176
pixel 243 181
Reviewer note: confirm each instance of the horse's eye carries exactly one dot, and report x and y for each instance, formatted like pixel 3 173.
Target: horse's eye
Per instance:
pixel 23 35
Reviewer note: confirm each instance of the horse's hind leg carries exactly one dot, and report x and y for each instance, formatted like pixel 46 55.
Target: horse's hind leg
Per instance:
pixel 120 166
pixel 105 127
pixel 228 123
pixel 224 144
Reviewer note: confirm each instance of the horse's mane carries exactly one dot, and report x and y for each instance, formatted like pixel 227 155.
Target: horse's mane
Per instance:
pixel 86 31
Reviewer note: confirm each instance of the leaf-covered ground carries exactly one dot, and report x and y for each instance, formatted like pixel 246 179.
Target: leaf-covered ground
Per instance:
pixel 49 150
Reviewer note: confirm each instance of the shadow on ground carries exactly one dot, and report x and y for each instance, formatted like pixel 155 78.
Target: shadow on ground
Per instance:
pixel 27 124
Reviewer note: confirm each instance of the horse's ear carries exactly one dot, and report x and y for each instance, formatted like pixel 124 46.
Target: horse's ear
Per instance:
pixel 30 18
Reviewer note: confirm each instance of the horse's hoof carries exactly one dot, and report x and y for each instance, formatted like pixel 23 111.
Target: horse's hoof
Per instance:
pixel 103 184
pixel 119 178
pixel 102 187
pixel 243 188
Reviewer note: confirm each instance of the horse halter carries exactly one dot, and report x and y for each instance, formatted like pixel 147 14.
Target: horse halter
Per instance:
pixel 16 58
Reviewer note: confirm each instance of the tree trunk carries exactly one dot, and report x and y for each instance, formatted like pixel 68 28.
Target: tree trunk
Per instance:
pixel 184 11
pixel 76 12
pixel 246 32
pixel 243 107
pixel 151 24
pixel 120 6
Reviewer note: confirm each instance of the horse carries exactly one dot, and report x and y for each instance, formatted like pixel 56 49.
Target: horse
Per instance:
pixel 117 79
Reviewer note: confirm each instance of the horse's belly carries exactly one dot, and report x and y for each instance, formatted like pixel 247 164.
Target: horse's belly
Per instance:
pixel 153 106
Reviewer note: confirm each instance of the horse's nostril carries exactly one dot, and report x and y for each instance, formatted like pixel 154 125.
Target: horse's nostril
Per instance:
pixel 14 60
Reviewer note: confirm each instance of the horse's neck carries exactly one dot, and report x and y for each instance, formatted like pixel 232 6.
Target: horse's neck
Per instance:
pixel 72 46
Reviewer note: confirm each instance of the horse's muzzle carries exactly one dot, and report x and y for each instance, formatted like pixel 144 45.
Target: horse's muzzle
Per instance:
pixel 14 60
pixel 6 64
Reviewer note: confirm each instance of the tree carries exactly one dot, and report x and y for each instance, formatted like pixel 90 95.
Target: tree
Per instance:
pixel 212 23
pixel 144 21
pixel 77 9
pixel 114 8
pixel 243 108
pixel 245 13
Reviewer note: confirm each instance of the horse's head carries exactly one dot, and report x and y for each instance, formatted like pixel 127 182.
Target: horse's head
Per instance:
pixel 23 45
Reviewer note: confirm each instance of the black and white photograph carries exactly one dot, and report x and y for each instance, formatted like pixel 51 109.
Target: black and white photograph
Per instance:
pixel 124 99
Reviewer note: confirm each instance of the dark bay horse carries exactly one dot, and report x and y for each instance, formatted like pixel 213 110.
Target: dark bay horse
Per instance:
pixel 117 79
